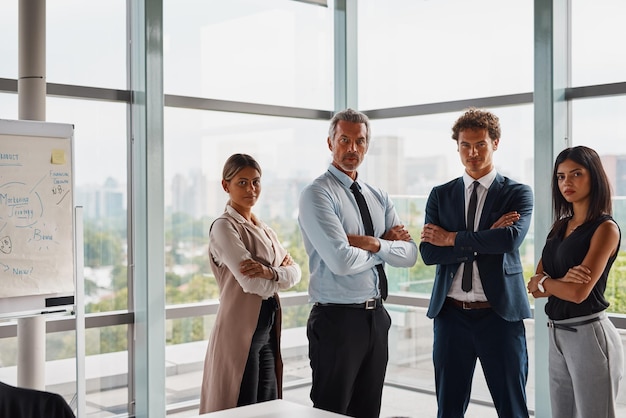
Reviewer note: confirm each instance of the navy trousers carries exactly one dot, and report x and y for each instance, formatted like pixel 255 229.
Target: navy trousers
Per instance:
pixel 463 336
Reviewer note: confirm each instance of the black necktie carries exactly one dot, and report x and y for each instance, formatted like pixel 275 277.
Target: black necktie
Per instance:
pixel 369 230
pixel 466 284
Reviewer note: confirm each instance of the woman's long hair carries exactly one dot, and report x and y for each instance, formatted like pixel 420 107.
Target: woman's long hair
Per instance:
pixel 600 188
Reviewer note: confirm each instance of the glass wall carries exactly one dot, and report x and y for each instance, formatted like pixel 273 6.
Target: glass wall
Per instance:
pixel 411 155
pixel 86 46
pixel 597 34
pixel 273 52
pixel 597 123
pixel 100 173
pixel 86 43
pixel 8 106
pixel 9 45
pixel 415 52
pixel 290 151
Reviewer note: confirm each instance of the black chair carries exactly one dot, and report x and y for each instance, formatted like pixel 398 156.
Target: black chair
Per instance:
pixel 30 403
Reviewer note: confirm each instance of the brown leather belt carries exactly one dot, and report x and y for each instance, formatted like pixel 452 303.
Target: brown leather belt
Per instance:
pixel 468 305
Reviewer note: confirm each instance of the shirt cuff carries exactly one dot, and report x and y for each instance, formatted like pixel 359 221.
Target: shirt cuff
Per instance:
pixel 385 247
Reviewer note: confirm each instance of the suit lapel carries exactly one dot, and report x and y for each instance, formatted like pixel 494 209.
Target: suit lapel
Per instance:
pixel 458 205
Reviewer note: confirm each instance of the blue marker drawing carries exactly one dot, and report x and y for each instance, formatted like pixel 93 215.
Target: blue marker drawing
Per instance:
pixel 37 184
pixel 5 245
pixel 63 197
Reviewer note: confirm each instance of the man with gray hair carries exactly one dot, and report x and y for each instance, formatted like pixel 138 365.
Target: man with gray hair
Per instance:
pixel 350 231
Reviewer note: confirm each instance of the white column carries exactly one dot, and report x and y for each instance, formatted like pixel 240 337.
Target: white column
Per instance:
pixel 31 84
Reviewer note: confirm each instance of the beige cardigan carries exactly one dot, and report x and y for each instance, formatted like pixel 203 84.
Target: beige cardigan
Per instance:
pixel 235 324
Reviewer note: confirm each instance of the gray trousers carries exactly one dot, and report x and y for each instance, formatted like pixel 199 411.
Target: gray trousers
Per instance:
pixel 585 368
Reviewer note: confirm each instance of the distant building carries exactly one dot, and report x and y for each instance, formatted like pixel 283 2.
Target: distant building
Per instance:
pixel 189 194
pixel 382 167
pixel 105 201
pixel 422 174
pixel 615 167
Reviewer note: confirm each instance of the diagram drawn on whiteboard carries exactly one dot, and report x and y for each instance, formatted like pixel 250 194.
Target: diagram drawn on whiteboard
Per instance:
pixel 36 216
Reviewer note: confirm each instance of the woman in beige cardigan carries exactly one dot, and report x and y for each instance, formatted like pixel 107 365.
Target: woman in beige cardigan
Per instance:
pixel 243 363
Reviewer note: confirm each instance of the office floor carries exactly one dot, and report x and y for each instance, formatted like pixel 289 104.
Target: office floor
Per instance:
pixel 398 402
pixel 399 398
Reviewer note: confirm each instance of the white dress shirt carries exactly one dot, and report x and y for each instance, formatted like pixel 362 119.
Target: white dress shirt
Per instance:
pixel 476 294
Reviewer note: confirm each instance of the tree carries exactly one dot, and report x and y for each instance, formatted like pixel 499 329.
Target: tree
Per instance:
pixel 102 248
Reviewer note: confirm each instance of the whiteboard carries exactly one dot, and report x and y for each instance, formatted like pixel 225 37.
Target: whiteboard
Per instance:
pixel 37 266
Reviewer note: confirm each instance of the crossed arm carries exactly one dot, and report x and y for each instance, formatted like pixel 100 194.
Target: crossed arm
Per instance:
pixel 579 280
pixel 372 244
pixel 443 243
pixel 253 276
pixel 439 237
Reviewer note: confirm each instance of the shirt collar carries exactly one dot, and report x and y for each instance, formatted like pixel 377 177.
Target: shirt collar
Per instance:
pixel 484 181
pixel 343 178
pixel 236 215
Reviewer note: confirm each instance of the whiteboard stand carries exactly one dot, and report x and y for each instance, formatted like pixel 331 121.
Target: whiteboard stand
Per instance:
pixel 36 218
pixel 36 162
pixel 37 244
pixel 81 387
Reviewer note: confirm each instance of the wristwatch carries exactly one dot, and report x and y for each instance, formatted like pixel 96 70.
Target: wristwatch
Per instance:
pixel 540 283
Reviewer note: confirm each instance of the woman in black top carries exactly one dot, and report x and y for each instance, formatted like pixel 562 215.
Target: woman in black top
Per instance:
pixel 586 357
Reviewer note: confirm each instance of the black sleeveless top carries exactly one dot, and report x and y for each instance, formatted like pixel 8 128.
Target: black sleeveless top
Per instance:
pixel 560 254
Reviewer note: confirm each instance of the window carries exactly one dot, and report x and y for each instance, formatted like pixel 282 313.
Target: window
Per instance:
pixel 597 123
pixel 8 106
pixel 598 34
pixel 9 45
pixel 415 52
pixel 100 180
pixel 291 152
pixel 409 156
pixel 86 43
pixel 275 52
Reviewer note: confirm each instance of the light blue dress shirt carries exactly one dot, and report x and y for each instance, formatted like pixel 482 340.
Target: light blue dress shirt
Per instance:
pixel 328 212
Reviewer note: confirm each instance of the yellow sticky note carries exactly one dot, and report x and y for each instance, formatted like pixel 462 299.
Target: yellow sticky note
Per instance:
pixel 58 156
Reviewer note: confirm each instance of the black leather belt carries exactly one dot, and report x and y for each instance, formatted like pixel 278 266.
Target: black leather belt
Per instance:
pixel 368 304
pixel 569 326
pixel 468 305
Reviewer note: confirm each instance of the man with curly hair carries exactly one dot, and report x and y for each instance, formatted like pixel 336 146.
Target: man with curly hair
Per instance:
pixel 474 226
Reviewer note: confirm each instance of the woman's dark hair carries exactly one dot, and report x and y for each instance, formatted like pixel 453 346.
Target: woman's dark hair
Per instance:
pixel 235 163
pixel 600 189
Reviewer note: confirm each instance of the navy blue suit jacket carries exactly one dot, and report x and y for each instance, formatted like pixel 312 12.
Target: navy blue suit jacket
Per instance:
pixel 495 250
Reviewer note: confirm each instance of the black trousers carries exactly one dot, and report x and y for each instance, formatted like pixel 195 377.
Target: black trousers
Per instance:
pixel 259 377
pixel 348 351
